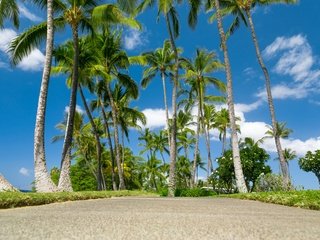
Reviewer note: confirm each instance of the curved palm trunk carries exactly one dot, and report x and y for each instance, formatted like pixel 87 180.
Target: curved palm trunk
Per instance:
pixel 241 185
pixel 173 141
pixel 43 182
pixel 166 104
pixel 64 180
pixel 196 151
pixel 101 184
pixel 284 167
pixel 107 131
pixel 116 138
pixel 5 185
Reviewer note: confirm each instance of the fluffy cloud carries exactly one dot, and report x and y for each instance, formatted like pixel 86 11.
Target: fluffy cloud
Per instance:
pixel 283 92
pixel 33 62
pixel 134 39
pixel 294 58
pixel 156 118
pixel 6 36
pixel 25 172
pixel 27 14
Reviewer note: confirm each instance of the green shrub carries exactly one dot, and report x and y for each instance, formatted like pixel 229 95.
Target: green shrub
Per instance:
pixel 270 183
pixel 194 192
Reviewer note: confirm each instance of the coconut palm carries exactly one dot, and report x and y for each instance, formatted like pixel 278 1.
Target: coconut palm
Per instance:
pixel 240 182
pixel 64 57
pixel 242 11
pixel 161 60
pixel 167 9
pixel 198 75
pixel 112 59
pixel 208 124
pixel 9 10
pixel 76 14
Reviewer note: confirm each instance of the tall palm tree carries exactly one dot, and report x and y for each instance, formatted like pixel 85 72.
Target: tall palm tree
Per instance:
pixel 242 10
pixel 167 9
pixel 159 61
pixel 222 123
pixel 240 182
pixel 43 182
pixel 198 75
pixel 76 14
pixel 64 57
pixel 209 112
pixel 112 59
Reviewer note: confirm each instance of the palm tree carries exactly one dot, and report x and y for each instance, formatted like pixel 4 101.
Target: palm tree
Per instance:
pixel 222 123
pixel 9 10
pixel 159 61
pixel 111 60
pixel 198 76
pixel 208 123
pixel 241 185
pixel 242 9
pixel 167 8
pixel 43 182
pixel 76 14
pixel 5 185
pixel 63 55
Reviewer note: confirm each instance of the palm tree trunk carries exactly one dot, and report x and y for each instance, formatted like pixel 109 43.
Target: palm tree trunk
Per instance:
pixel 97 139
pixel 241 185
pixel 224 138
pixel 107 131
pixel 196 151
pixel 284 168
pixel 64 180
pixel 166 104
pixel 173 142
pixel 5 185
pixel 43 182
pixel 209 167
pixel 116 138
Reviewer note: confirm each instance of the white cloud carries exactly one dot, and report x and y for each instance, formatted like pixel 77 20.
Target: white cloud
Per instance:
pixel 33 62
pixel 133 39
pixel 156 118
pixel 27 14
pixel 283 43
pixel 283 92
pixel 295 59
pixel 6 36
pixel 78 109
pixel 25 172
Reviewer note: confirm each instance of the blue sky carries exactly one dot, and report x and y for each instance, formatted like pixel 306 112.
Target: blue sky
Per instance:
pixel 290 44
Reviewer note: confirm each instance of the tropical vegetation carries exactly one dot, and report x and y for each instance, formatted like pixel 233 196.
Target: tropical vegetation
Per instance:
pixel 97 153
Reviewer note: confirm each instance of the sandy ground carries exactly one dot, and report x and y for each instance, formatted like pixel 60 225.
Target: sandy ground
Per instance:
pixel 160 218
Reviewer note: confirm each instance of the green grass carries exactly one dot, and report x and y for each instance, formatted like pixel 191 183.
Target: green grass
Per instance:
pixel 303 199
pixel 17 199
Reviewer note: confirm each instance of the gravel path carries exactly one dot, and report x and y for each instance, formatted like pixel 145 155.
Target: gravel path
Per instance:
pixel 160 218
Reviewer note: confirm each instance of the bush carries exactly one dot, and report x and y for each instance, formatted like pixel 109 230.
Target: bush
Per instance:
pixel 194 192
pixel 270 183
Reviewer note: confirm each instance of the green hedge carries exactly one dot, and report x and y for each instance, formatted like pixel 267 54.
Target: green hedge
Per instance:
pixel 17 199
pixel 309 199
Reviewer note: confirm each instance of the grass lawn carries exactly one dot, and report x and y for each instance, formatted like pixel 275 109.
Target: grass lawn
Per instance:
pixel 309 199
pixel 17 199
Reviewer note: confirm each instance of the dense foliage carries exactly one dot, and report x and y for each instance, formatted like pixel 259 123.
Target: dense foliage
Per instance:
pixel 311 163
